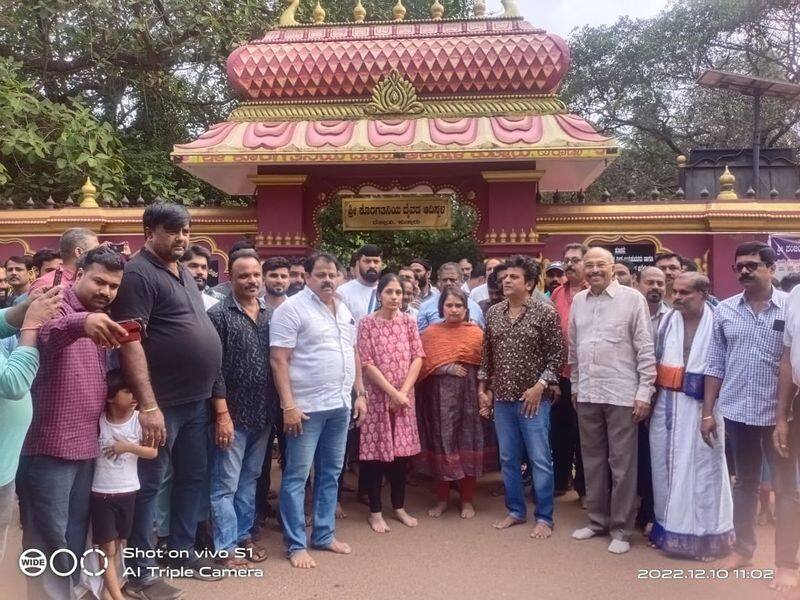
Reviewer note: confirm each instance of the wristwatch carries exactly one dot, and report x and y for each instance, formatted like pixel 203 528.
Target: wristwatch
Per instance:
pixel 544 383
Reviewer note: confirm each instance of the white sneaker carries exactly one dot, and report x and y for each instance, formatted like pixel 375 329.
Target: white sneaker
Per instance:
pixel 584 534
pixel 619 547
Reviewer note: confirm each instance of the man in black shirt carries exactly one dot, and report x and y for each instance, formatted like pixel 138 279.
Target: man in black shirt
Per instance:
pixel 245 406
pixel 171 372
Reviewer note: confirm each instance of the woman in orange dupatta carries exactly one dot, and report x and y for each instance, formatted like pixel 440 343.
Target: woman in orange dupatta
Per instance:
pixel 450 426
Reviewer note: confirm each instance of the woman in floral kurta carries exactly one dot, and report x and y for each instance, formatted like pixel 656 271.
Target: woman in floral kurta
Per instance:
pixel 391 356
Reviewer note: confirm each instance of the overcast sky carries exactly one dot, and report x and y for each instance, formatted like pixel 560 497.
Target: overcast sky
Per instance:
pixel 561 16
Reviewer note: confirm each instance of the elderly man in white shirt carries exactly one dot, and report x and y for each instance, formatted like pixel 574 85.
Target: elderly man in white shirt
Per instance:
pixel 613 369
pixel 312 353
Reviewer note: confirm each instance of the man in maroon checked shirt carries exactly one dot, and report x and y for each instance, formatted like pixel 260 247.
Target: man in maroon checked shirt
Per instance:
pixel 69 392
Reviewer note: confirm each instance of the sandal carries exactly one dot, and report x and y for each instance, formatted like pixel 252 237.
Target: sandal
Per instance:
pixel 257 554
pixel 234 562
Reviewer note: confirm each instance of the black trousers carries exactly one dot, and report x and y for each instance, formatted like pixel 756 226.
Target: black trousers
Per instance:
pixel 565 442
pixel 373 472
pixel 264 481
pixel 644 482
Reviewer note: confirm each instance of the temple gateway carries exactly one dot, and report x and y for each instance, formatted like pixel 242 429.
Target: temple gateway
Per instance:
pixel 438 109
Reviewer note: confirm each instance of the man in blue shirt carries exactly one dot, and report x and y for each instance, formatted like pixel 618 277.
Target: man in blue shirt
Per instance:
pixel 742 381
pixel 449 274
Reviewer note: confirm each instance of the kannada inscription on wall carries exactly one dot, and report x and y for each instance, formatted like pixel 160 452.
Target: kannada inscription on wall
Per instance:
pixel 397 213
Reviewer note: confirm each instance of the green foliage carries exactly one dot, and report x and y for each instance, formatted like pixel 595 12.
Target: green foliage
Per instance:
pixel 152 72
pixel 48 147
pixel 401 246
pixel 636 80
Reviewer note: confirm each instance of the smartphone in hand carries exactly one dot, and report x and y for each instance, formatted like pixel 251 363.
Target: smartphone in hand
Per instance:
pixel 135 329
pixel 59 273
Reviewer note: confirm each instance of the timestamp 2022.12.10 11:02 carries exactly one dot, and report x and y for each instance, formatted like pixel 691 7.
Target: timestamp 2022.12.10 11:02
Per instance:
pixel 706 574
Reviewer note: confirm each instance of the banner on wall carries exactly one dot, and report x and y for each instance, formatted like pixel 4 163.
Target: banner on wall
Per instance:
pixel 397 213
pixel 787 248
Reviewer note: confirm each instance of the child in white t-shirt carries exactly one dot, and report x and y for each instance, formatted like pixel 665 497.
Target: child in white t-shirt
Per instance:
pixel 116 479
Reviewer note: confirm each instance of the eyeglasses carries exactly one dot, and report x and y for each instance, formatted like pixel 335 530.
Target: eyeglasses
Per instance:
pixel 747 266
pixel 572 261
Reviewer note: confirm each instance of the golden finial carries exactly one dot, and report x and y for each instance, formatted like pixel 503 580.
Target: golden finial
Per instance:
pixel 88 195
pixel 726 181
pixel 503 236
pixel 270 240
pixel 511 8
pixel 399 11
pixel 318 14
pixel 287 17
pixel 359 12
pixel 437 10
pixel 533 237
pixel 479 8
pixel 493 237
pixel 512 237
pixel 681 160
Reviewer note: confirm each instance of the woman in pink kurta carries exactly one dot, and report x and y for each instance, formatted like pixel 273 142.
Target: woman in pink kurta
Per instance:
pixel 391 357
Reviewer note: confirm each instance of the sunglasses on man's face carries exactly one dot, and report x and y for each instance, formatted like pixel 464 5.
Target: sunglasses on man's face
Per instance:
pixel 750 267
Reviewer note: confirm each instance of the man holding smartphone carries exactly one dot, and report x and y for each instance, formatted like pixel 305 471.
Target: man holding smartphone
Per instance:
pixel 171 372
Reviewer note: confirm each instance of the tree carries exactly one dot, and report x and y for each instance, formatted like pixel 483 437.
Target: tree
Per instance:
pixel 46 147
pixel 152 70
pixel 636 80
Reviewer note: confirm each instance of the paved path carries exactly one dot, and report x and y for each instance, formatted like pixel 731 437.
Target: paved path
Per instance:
pixel 450 558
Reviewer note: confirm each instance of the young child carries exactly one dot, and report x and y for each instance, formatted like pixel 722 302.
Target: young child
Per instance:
pixel 115 477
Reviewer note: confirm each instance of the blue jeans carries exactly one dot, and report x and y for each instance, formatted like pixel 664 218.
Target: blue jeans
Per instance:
pixel 234 473
pixel 321 443
pixel 54 503
pixel 162 504
pixel 515 432
pixel 187 450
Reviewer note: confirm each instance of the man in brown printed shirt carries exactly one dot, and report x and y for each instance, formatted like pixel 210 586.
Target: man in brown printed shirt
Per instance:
pixel 523 353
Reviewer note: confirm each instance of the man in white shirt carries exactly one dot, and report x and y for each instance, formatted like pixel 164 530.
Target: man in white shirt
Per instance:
pixel 197 260
pixel 613 369
pixel 360 294
pixel 786 436
pixel 313 359
pixel 481 293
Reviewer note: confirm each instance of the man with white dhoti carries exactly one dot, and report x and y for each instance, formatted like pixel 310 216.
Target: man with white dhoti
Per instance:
pixel 692 493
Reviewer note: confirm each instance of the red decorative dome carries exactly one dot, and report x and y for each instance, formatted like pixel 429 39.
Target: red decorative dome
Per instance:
pixel 481 57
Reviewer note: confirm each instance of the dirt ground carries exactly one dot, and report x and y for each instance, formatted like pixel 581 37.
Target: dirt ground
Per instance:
pixel 450 558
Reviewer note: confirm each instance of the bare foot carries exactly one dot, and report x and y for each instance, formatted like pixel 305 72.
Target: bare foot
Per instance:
pixel 338 547
pixel 785 580
pixel 467 510
pixel 406 519
pixel 437 510
pixel 377 523
pixel 340 514
pixel 733 561
pixel 509 521
pixel 302 560
pixel 542 531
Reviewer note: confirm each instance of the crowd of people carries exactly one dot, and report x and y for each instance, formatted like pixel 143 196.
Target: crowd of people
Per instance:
pixel 143 405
